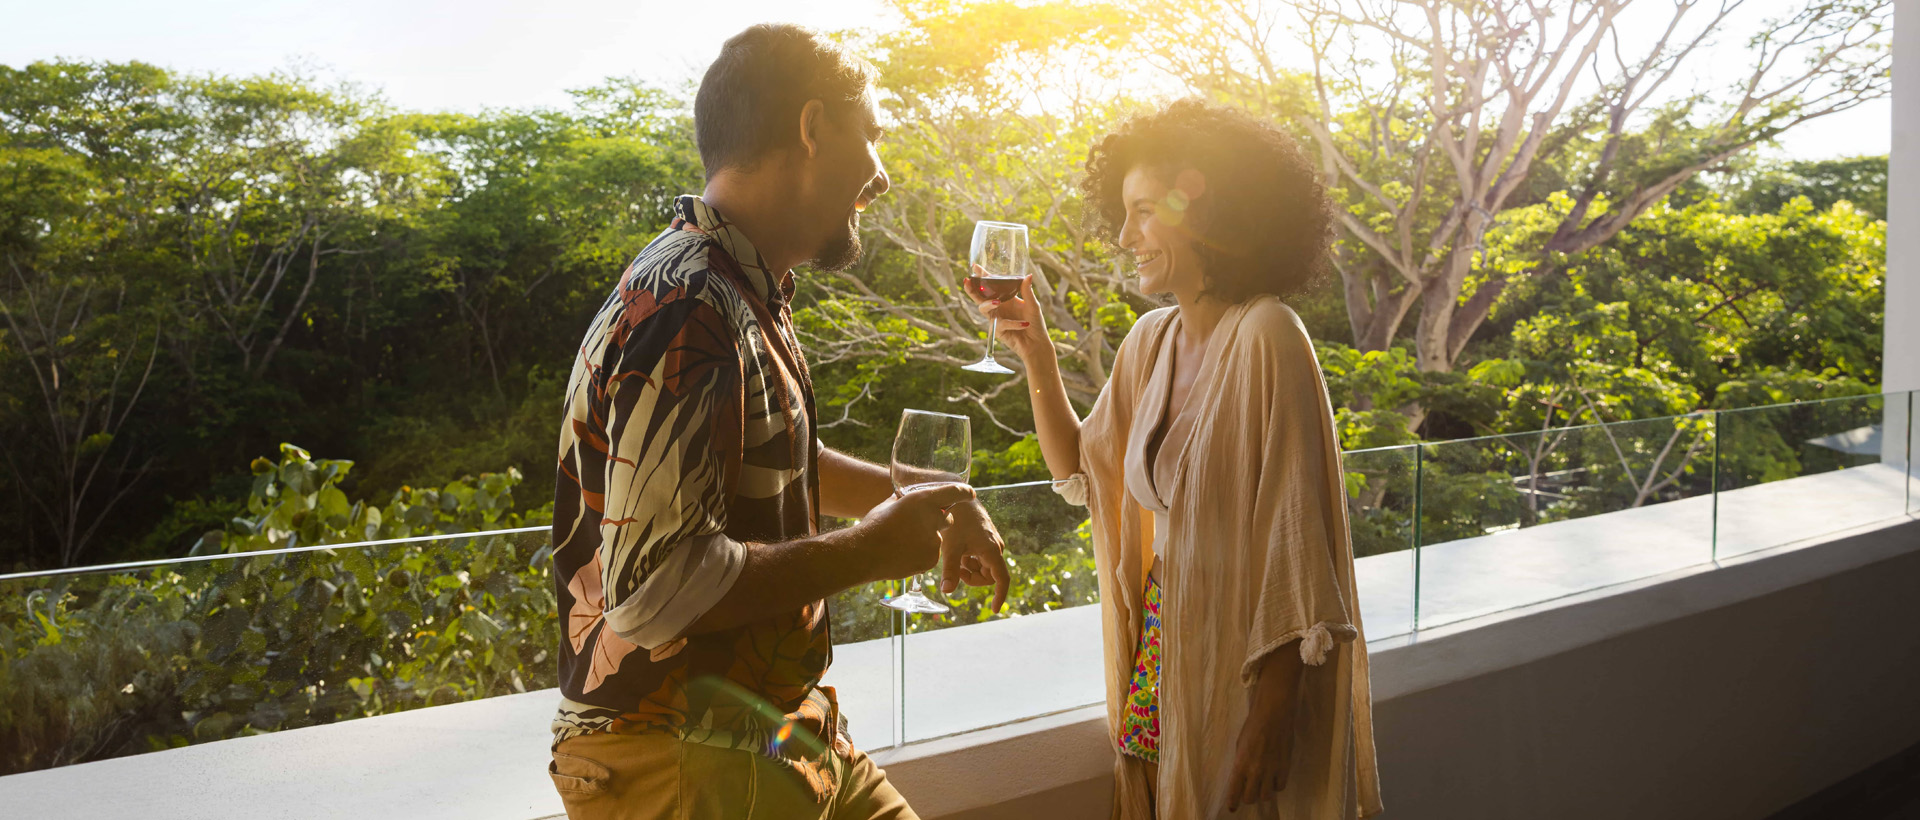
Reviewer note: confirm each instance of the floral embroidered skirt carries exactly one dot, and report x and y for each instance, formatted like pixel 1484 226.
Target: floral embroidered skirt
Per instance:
pixel 1140 722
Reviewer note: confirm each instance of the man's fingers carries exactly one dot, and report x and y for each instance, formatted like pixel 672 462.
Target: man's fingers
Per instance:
pixel 943 495
pixel 949 567
pixel 973 572
pixel 1001 579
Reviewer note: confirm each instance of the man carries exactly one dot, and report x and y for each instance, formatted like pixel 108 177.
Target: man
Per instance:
pixel 689 565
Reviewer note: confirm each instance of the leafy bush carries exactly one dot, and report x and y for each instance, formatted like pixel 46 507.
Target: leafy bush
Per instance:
pixel 103 665
pixel 298 502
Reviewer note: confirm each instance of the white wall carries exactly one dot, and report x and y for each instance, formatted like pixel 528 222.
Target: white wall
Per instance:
pixel 1902 351
pixel 1734 711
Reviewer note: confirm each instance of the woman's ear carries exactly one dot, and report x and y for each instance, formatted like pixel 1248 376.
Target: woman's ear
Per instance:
pixel 812 119
pixel 1191 182
pixel 1185 198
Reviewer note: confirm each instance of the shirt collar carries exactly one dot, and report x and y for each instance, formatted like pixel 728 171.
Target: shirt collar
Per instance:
pixel 776 289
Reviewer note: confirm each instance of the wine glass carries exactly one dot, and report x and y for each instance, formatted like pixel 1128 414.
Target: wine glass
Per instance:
pixel 931 448
pixel 999 263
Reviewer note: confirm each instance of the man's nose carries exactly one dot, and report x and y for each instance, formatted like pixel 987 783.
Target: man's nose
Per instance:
pixel 880 182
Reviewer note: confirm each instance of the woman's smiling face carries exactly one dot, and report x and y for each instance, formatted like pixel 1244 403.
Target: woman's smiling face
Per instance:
pixel 1157 232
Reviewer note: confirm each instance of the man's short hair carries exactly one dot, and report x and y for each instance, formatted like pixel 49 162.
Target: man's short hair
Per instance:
pixel 751 96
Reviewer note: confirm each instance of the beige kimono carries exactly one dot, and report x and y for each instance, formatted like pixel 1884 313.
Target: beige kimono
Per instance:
pixel 1258 558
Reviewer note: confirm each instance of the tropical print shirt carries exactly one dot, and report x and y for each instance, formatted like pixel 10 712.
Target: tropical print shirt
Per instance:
pixel 689 429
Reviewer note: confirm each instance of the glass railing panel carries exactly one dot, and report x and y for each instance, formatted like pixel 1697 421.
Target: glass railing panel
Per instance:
pixel 1507 521
pixel 113 661
pixel 1041 655
pixel 100 664
pixel 1380 513
pixel 1901 452
pixel 865 673
pixel 1797 471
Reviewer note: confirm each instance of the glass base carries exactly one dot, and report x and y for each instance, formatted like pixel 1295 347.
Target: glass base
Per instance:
pixel 916 602
pixel 989 366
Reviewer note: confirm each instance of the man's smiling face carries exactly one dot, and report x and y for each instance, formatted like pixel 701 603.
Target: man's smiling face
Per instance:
pixel 849 177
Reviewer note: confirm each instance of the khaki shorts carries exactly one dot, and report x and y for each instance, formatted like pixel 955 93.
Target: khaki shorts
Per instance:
pixel 659 777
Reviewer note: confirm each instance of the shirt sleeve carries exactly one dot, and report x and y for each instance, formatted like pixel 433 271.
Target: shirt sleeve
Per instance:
pixel 696 573
pixel 673 418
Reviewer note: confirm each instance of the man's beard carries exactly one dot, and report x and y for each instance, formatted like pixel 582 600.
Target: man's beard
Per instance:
pixel 843 250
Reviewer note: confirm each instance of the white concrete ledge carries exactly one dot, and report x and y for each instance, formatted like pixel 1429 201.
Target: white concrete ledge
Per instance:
pixel 479 759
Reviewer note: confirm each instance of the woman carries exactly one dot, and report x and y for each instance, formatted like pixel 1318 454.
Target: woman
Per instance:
pixel 1236 670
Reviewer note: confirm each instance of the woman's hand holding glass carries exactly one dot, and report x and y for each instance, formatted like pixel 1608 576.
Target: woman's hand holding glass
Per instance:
pixel 1021 326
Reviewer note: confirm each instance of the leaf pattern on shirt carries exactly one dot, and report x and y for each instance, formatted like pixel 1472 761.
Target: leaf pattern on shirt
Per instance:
pixel 689 413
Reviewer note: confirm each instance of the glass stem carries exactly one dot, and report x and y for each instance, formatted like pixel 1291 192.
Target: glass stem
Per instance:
pixel 992 334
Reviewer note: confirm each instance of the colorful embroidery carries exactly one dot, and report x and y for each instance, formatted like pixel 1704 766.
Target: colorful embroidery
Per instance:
pixel 1140 724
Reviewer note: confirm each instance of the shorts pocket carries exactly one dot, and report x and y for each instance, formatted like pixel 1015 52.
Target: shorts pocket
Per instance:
pixel 573 774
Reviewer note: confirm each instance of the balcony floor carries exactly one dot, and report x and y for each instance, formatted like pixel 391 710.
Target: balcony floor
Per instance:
pixel 1888 790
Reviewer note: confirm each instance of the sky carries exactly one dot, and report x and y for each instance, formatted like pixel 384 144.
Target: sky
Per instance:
pixel 473 54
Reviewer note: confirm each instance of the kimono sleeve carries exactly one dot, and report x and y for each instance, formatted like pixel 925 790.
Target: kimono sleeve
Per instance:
pixel 1297 498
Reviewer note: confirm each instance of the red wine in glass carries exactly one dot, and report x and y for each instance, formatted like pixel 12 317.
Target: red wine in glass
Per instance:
pixel 998 258
pixel 1001 288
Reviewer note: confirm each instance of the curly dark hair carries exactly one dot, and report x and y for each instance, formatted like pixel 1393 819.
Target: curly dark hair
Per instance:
pixel 1268 226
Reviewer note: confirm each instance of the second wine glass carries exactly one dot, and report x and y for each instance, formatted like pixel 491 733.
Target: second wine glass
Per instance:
pixel 930 448
pixel 998 262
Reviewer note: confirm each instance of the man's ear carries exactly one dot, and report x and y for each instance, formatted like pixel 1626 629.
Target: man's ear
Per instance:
pixel 812 119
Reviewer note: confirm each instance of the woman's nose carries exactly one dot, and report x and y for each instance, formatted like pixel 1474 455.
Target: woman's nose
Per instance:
pixel 1129 235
